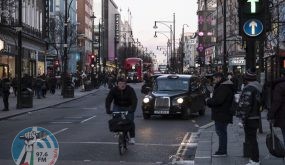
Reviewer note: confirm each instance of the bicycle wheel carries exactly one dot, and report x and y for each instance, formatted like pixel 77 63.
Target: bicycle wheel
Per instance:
pixel 122 144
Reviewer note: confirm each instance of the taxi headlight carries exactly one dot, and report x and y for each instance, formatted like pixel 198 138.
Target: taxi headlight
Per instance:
pixel 180 100
pixel 146 100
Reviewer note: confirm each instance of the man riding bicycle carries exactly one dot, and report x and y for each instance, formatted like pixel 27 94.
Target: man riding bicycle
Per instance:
pixel 125 99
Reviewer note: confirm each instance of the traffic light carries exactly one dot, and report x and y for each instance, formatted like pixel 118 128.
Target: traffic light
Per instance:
pixel 254 18
pixel 92 61
pixel 56 63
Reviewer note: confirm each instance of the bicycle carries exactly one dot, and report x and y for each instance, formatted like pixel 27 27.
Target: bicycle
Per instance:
pixel 120 127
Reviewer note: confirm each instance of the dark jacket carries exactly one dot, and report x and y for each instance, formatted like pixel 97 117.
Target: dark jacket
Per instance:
pixel 5 85
pixel 221 102
pixel 122 98
pixel 250 101
pixel 277 110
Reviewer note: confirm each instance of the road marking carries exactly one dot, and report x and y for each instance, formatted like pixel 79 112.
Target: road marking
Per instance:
pixel 189 141
pixel 176 156
pixel 116 143
pixel 207 125
pixel 87 119
pixel 61 122
pixel 73 117
pixel 60 131
pixel 92 108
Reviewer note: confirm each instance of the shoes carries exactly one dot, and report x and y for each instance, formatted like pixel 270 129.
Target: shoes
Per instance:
pixel 253 163
pixel 132 141
pixel 5 109
pixel 219 154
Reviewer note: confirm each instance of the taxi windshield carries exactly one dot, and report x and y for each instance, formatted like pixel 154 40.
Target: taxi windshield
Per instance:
pixel 171 85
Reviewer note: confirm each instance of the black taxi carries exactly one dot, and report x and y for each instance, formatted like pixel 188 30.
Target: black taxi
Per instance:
pixel 175 95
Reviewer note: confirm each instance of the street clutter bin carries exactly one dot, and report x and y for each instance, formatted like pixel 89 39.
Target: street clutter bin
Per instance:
pixel 88 85
pixel 68 92
pixel 27 98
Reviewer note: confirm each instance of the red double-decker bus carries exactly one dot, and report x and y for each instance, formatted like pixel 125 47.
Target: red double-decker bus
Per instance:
pixel 134 69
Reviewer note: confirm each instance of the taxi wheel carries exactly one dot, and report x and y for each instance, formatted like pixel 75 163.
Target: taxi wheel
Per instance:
pixel 146 116
pixel 186 114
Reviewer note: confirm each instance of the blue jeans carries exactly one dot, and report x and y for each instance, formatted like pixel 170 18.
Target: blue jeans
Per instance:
pixel 130 116
pixel 221 130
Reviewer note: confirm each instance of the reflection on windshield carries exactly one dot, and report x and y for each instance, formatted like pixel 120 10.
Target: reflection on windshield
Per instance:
pixel 172 85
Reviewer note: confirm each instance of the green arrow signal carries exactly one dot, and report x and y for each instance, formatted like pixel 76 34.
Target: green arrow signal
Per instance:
pixel 253 5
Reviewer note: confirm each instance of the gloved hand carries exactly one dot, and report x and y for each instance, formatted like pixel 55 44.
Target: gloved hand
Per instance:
pixel 108 111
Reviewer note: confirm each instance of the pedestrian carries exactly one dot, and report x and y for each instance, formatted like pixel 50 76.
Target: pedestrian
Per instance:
pixel 14 85
pixel 276 114
pixel 5 86
pixel 38 86
pixel 124 98
pixel 220 103
pixel 248 110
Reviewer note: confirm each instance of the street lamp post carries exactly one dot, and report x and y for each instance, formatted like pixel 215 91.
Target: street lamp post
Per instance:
pixel 66 78
pixel 183 43
pixel 93 52
pixel 169 44
pixel 172 34
pixel 19 58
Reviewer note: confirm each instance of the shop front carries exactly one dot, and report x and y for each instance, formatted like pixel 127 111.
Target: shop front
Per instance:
pixel 237 64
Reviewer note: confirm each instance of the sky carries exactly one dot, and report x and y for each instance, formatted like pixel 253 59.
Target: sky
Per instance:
pixel 145 12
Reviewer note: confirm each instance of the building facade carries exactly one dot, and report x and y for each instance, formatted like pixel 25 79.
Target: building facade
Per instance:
pixel 85 20
pixel 33 58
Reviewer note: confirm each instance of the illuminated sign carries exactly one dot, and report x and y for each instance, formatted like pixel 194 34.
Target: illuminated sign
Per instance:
pixel 117 28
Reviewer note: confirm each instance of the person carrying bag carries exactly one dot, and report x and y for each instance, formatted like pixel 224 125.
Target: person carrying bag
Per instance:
pixel 274 145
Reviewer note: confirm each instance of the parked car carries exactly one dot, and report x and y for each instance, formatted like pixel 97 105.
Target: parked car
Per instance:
pixel 175 95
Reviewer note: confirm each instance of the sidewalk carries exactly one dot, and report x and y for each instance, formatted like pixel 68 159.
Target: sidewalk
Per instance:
pixel 208 144
pixel 38 104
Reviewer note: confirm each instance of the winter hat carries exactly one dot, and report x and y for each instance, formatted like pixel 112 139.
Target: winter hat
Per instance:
pixel 250 75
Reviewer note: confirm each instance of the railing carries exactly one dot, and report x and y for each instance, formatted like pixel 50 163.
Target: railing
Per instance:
pixel 28 29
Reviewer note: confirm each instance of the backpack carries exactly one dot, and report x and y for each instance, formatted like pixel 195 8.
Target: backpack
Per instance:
pixel 274 145
pixel 241 112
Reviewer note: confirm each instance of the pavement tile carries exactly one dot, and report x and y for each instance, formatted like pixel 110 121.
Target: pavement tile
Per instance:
pixel 208 138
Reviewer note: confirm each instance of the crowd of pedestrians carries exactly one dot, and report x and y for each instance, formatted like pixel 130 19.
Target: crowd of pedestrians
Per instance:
pixel 253 98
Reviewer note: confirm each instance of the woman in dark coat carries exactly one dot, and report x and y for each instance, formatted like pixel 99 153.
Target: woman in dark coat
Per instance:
pixel 276 113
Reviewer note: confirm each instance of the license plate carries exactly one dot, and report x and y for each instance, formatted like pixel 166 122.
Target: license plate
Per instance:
pixel 161 112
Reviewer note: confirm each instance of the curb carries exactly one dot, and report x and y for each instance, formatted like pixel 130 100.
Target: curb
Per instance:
pixel 41 108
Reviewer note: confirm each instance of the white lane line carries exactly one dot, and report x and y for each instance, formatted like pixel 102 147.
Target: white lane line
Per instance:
pixel 207 125
pixel 60 131
pixel 61 122
pixel 192 142
pixel 94 108
pixel 73 117
pixel 83 121
pixel 176 156
pixel 116 143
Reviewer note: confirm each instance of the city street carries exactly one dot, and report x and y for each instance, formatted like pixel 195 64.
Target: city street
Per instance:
pixel 81 129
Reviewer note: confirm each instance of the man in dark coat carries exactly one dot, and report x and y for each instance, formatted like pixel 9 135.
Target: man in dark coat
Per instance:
pixel 221 103
pixel 249 111
pixel 125 99
pixel 276 113
pixel 5 86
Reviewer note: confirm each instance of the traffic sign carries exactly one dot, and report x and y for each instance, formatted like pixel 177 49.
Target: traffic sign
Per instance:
pixel 253 27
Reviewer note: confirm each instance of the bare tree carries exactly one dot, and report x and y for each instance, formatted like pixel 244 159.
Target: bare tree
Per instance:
pixel 7 11
pixel 56 36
